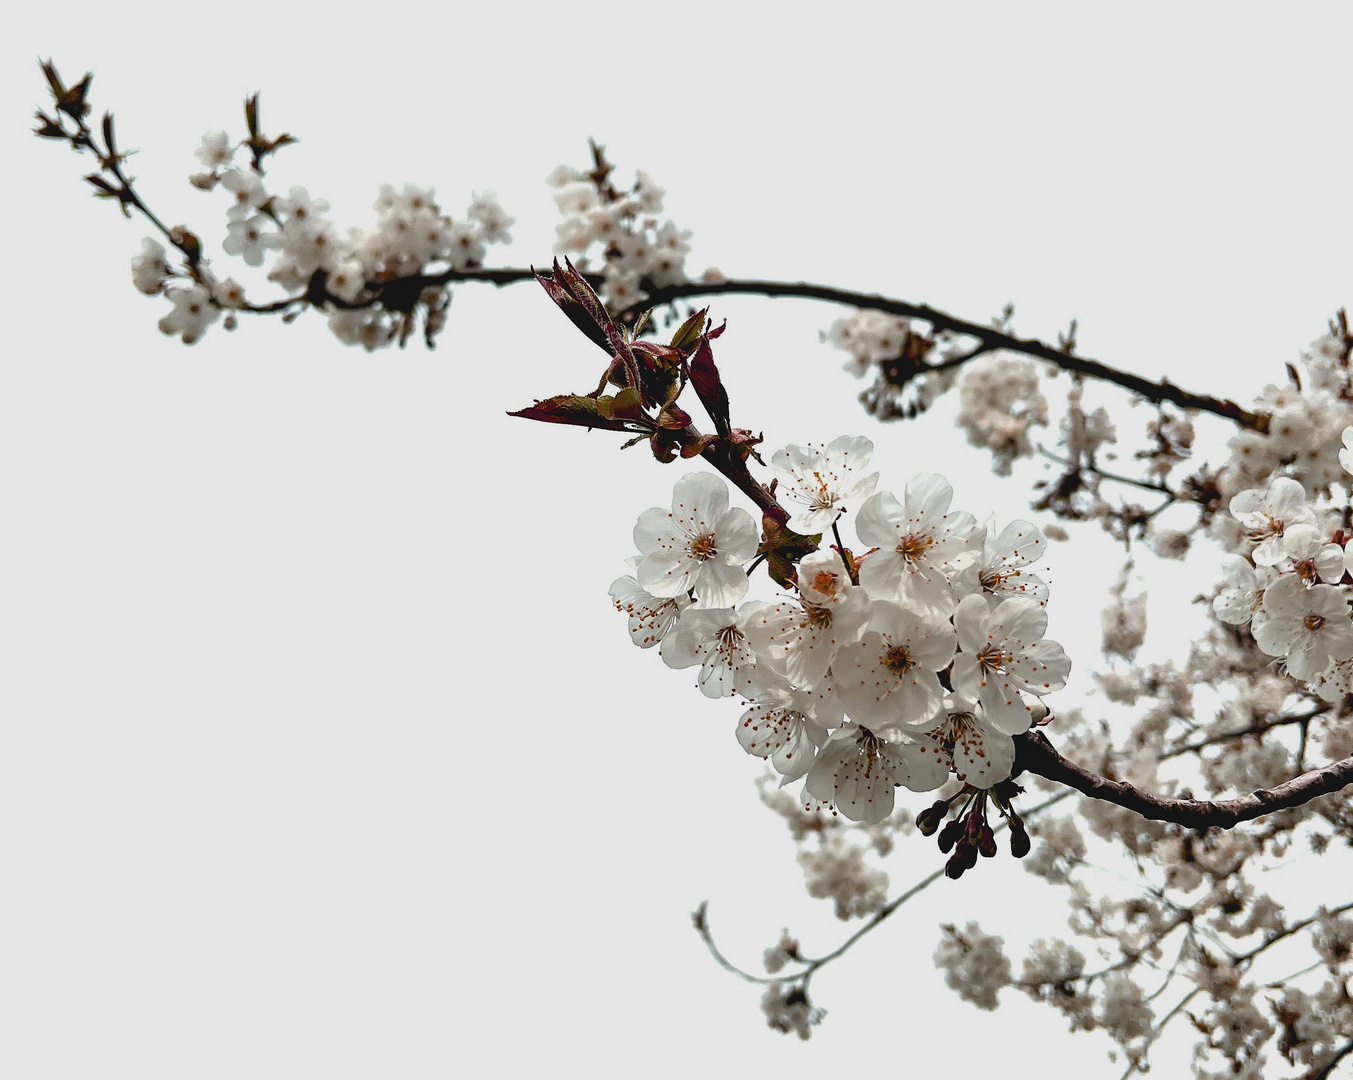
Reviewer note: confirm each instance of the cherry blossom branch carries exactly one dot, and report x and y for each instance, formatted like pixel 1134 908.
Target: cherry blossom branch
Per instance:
pixel 1158 1028
pixel 811 965
pixel 1294 928
pixel 989 339
pixel 71 102
pixel 1104 474
pixel 1253 729
pixel 1328 1068
pixel 1036 755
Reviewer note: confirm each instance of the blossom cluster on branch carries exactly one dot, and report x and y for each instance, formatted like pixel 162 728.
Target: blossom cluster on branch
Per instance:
pixel 913 659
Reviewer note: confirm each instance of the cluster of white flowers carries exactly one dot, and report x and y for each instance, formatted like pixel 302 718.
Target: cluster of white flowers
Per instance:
pixel 927 665
pixel 974 964
pixel 1289 584
pixel 1305 427
pixel 869 337
pixel 998 402
pixel 838 871
pixel 624 227
pixel 1123 621
pixel 411 236
pixel 788 1010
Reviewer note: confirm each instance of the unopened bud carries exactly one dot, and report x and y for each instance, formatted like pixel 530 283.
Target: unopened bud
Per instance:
pixel 974 824
pixel 986 844
pixel 954 868
pixel 186 242
pixel 1019 839
pixel 950 833
pixel 928 820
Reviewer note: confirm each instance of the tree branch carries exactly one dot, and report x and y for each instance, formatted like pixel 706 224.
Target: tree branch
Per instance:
pixel 1253 729
pixel 989 338
pixel 1329 1066
pixel 1033 753
pixel 812 964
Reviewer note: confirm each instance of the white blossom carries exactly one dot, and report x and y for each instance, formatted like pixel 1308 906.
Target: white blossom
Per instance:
pixel 1004 656
pixel 651 617
pixel 149 268
pixel 857 770
pixel 978 753
pixel 823 579
pixel 817 483
pixel 494 222
pixel 1242 591
pixel 974 964
pixel 800 639
pixel 1265 515
pixel 249 238
pixel 783 725
pixel 700 544
pixel 888 678
pixel 215 150
pixel 1310 627
pixel 193 312
pixel 247 188
pixel 715 639
pixel 999 571
pixel 920 543
pixel 1313 556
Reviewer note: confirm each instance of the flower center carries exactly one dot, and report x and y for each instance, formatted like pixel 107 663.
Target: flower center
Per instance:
pixel 818 617
pixel 914 545
pixel 956 728
pixel 824 582
pixel 991 658
pixel 1314 622
pixel 823 498
pixel 867 745
pixel 898 660
pixel 1270 526
pixel 702 547
pixel 991 578
pixel 728 643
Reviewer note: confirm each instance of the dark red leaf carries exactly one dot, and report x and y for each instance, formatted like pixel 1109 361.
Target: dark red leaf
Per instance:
pixel 709 386
pixel 577 410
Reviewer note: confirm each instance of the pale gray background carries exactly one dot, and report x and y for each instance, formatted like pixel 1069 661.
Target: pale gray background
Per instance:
pixel 323 752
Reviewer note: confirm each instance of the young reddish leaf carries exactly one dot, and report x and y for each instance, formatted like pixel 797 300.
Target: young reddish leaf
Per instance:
pixel 688 333
pixel 108 140
pixel 616 342
pixel 620 349
pixel 675 418
pixel 665 445
pixel 48 128
pixel 582 292
pixel 742 444
pixel 577 410
pixel 626 405
pixel 569 305
pixel 709 386
pixel 663 354
pixel 696 447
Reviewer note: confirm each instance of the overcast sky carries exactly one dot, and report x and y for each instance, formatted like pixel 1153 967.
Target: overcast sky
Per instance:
pixel 324 752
